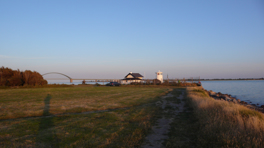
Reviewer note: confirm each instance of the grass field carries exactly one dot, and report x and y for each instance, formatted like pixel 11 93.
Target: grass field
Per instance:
pixel 15 103
pixel 123 127
pixel 122 117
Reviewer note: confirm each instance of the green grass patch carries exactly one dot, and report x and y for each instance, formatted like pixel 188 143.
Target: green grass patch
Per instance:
pixel 250 113
pixel 200 92
pixel 120 128
pixel 126 126
pixel 26 102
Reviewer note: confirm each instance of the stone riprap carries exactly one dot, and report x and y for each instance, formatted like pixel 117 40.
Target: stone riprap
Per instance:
pixel 229 98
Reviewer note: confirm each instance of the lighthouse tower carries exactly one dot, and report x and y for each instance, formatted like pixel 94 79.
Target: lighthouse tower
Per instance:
pixel 159 76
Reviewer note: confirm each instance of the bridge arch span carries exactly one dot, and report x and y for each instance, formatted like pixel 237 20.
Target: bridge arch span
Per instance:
pixel 59 74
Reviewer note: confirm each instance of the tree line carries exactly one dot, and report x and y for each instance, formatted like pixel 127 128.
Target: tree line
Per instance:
pixel 9 77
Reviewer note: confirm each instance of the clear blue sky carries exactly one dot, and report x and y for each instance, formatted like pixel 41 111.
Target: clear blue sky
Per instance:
pixel 108 39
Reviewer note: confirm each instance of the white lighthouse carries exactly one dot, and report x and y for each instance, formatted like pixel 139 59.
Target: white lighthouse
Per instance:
pixel 160 76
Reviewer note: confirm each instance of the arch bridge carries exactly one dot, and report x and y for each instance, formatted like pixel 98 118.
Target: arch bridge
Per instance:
pixel 59 74
pixel 84 80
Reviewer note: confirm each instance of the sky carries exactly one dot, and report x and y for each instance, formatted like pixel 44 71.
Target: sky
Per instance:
pixel 109 39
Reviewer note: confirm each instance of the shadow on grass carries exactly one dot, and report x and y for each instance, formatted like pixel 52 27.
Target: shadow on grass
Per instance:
pixel 46 136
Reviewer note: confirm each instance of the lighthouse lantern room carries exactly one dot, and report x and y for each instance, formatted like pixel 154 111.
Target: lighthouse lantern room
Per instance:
pixel 159 76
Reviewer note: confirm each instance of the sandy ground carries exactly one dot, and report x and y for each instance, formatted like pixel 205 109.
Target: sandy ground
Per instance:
pixel 160 131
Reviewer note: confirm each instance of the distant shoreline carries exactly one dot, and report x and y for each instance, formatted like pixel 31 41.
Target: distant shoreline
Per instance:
pixel 228 79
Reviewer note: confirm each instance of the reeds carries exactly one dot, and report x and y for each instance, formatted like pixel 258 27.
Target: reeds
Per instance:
pixel 225 124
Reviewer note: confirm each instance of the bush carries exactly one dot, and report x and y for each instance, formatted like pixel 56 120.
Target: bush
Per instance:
pixel 9 77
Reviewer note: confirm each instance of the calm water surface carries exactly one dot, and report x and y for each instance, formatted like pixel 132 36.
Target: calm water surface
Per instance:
pixel 75 82
pixel 247 90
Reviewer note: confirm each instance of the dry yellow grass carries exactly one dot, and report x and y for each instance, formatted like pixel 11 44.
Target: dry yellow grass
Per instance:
pixel 225 124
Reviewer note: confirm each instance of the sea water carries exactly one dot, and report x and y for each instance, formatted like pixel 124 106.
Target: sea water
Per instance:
pixel 75 82
pixel 245 90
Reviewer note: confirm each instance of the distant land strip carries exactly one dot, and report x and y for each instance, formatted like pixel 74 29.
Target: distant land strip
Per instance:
pixel 231 79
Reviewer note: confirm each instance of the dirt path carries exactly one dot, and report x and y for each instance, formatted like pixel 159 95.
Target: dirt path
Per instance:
pixel 170 109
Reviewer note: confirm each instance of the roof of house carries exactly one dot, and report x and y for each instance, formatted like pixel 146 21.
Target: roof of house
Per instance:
pixel 135 75
pixel 131 79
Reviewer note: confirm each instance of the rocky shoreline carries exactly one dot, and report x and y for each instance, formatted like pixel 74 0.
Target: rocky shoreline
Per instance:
pixel 229 98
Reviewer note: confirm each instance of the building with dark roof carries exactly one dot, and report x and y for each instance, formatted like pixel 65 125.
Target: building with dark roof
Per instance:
pixel 132 77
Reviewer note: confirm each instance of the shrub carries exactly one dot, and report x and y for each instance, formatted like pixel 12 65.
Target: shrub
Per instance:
pixel 9 77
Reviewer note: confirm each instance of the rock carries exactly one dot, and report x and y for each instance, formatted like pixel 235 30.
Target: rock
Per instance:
pixel 216 98
pixel 260 109
pixel 262 106
pixel 227 98
pixel 222 97
pixel 238 100
pixel 232 98
pixel 212 93
pixel 243 102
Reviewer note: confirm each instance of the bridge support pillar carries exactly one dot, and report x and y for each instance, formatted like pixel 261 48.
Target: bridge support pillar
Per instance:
pixel 71 80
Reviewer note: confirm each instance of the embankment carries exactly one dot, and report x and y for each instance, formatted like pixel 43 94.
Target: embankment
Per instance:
pixel 229 98
pixel 224 122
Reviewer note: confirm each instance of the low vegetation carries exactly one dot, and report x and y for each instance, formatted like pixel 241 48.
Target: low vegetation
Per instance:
pixel 120 128
pixel 225 124
pixel 87 116
pixel 28 102
pixel 124 126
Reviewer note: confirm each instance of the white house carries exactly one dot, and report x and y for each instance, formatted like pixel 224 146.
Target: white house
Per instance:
pixel 132 77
